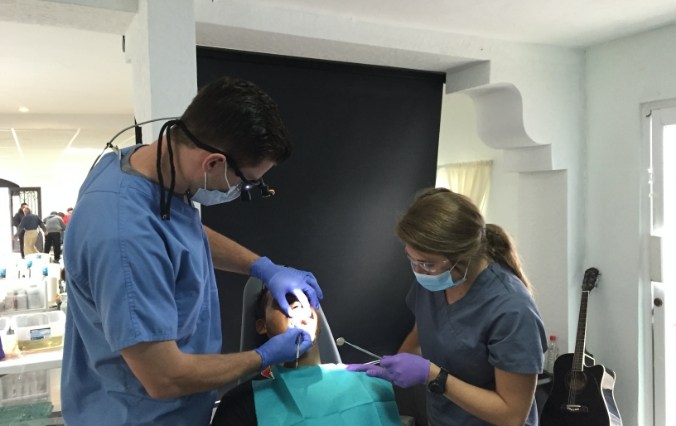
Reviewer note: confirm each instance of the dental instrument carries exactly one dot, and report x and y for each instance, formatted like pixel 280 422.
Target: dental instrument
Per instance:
pixel 297 349
pixel 341 341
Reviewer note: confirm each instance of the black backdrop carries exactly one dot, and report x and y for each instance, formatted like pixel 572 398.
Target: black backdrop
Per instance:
pixel 365 141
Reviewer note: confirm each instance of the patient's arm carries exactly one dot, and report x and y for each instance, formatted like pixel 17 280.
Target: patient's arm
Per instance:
pixel 411 343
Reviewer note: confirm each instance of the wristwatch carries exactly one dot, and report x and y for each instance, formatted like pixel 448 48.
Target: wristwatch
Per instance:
pixel 438 385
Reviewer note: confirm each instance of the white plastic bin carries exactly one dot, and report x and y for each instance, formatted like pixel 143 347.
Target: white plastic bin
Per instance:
pixel 26 387
pixel 5 323
pixel 40 330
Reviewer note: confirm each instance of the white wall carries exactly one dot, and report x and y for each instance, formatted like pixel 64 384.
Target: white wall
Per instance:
pixel 59 180
pixel 552 259
pixel 531 206
pixel 459 142
pixel 620 76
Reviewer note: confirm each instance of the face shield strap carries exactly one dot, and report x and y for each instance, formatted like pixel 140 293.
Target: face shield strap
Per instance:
pixel 165 199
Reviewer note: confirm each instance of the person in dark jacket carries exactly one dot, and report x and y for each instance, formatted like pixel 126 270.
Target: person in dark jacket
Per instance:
pixel 16 221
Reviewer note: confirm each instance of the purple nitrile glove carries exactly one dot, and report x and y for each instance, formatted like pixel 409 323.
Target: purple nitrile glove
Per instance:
pixel 404 369
pixel 282 347
pixel 282 280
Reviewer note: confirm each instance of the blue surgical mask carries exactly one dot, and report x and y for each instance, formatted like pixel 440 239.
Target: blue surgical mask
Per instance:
pixel 210 197
pixel 440 282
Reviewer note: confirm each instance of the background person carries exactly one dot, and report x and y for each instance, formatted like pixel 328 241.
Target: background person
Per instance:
pixel 66 216
pixel 54 228
pixel 325 393
pixel 30 224
pixel 143 335
pixel 16 221
pixel 478 341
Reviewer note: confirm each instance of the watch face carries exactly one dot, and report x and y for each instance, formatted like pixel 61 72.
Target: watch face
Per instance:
pixel 435 387
pixel 438 385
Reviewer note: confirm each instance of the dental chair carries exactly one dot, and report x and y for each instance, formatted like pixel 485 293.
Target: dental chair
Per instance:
pixel 328 350
pixel 249 339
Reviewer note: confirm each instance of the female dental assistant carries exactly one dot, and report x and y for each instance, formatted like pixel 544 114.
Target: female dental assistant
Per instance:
pixel 478 341
pixel 143 336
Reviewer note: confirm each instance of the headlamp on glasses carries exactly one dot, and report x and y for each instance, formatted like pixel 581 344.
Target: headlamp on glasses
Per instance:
pixel 249 185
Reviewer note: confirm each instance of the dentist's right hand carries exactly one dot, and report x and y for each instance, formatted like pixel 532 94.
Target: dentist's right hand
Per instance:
pixel 282 347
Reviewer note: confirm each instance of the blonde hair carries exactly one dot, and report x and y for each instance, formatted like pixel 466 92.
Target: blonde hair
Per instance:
pixel 444 222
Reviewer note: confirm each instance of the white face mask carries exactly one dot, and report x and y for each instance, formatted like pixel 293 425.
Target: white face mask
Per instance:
pixel 210 197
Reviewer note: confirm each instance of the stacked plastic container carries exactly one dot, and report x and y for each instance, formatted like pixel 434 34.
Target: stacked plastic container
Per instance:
pixel 30 322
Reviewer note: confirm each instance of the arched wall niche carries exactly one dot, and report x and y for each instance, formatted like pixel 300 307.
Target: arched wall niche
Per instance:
pixel 529 197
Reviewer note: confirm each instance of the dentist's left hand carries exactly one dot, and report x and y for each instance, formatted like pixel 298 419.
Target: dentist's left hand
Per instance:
pixel 282 280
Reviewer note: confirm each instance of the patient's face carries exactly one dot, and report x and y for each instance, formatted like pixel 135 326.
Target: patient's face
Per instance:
pixel 276 322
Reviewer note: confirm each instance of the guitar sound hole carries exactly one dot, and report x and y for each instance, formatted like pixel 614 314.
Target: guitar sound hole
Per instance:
pixel 576 381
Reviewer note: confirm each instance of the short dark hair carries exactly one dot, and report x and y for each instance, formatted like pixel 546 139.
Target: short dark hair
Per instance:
pixel 259 310
pixel 239 118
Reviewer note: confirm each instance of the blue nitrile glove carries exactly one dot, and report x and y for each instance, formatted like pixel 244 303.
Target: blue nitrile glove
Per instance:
pixel 282 347
pixel 282 280
pixel 404 369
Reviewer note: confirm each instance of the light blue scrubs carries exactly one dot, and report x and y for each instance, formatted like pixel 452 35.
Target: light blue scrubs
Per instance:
pixel 133 278
pixel 495 325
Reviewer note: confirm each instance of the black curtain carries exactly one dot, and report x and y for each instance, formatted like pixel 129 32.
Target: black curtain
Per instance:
pixel 365 141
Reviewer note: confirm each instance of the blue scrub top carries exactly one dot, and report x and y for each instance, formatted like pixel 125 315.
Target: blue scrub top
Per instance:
pixel 133 278
pixel 495 325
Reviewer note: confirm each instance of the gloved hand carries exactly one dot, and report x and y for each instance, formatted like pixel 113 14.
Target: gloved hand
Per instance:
pixel 281 280
pixel 404 369
pixel 282 347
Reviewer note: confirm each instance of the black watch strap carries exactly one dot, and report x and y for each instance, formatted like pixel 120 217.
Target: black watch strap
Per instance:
pixel 438 385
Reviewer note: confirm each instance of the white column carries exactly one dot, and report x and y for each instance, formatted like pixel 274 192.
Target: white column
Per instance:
pixel 160 44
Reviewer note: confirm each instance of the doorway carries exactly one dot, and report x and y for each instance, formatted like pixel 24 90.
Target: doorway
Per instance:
pixel 662 147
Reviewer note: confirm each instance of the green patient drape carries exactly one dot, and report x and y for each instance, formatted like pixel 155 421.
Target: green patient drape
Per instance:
pixel 325 395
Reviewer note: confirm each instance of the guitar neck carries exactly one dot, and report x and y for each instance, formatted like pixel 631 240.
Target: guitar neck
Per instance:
pixel 578 358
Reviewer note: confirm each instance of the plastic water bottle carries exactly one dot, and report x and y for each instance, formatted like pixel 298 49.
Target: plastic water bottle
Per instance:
pixel 552 354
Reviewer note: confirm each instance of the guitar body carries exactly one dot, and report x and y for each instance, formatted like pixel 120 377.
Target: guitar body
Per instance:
pixel 581 398
pixel 582 394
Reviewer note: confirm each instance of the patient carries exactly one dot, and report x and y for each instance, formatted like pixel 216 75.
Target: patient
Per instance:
pixel 305 391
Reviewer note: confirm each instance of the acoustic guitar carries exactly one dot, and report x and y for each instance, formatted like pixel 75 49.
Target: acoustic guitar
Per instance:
pixel 582 392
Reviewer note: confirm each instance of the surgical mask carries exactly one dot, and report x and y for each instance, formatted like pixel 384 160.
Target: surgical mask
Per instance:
pixel 442 281
pixel 210 197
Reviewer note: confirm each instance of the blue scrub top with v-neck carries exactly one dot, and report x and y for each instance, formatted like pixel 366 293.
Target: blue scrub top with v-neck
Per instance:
pixel 133 277
pixel 495 325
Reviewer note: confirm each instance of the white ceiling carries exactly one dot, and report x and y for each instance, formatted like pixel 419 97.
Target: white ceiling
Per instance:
pixel 77 86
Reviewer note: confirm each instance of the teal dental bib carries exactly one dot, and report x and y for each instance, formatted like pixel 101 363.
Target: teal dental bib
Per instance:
pixel 324 395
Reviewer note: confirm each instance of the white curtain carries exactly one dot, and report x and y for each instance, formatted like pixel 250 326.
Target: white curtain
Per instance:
pixel 472 179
